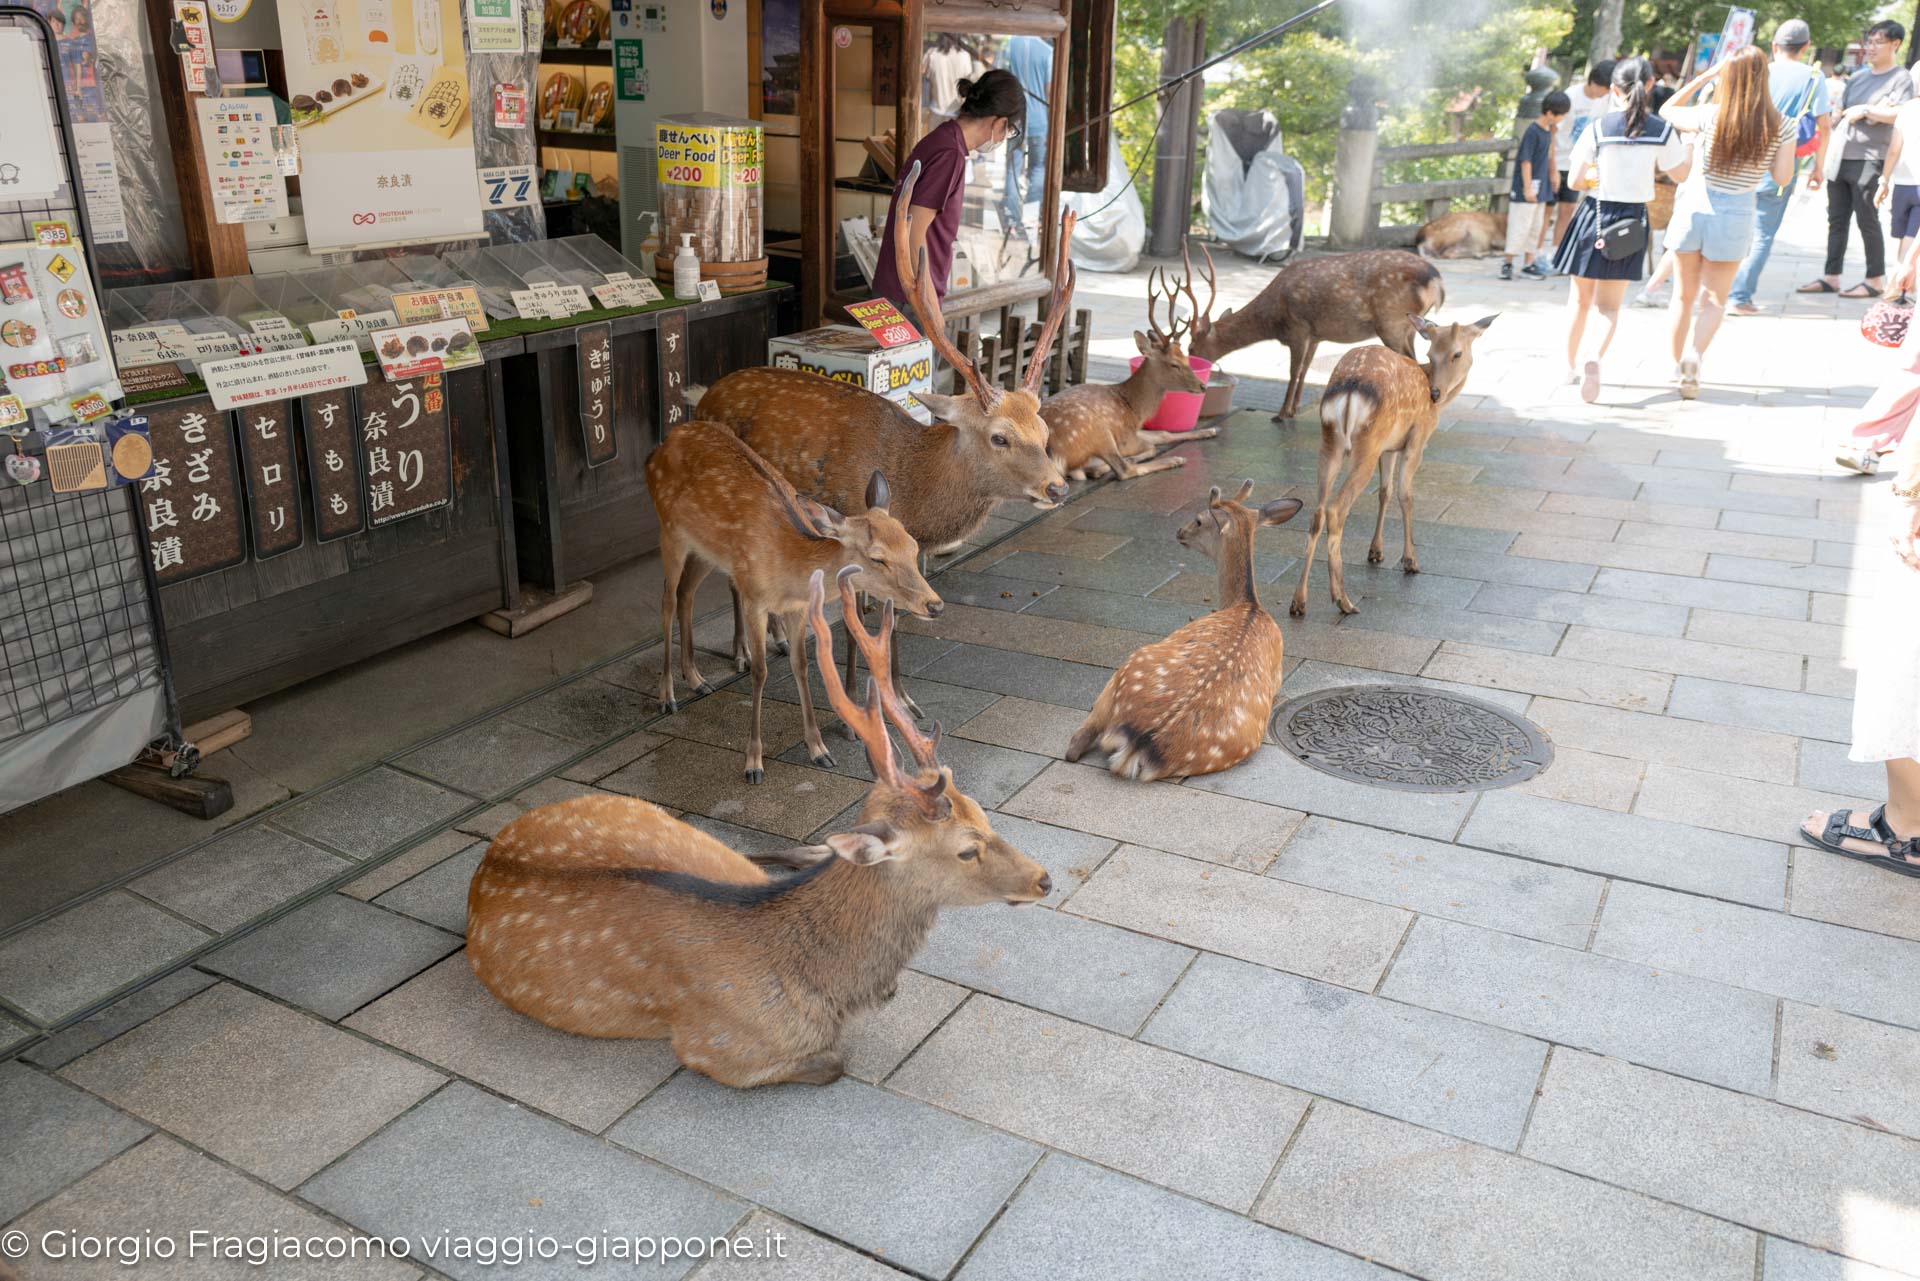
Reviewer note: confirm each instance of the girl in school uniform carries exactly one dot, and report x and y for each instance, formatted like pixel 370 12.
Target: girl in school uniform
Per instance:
pixel 1614 160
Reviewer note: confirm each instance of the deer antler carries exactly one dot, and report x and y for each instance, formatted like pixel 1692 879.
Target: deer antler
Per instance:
pixel 1158 283
pixel 869 723
pixel 1155 279
pixel 1202 318
pixel 1057 306
pixel 926 300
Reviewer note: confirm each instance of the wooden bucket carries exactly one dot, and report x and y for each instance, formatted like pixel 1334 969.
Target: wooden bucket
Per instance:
pixel 732 277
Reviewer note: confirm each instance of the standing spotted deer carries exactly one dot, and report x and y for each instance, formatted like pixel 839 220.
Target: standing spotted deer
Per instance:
pixel 1381 407
pixel 1096 427
pixel 721 507
pixel 1340 298
pixel 602 916
pixel 1198 701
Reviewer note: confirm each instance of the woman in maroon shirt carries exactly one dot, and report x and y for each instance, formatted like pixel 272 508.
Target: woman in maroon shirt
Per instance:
pixel 993 109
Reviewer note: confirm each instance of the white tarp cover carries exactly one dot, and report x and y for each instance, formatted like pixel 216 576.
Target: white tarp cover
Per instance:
pixel 1111 239
pixel 1251 194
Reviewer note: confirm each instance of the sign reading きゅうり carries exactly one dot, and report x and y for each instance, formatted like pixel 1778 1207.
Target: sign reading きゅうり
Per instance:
pixel 595 359
pixel 380 97
pixel 883 320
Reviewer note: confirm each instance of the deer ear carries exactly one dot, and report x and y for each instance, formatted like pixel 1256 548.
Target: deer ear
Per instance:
pixel 1480 326
pixel 1424 327
pixel 865 845
pixel 878 495
pixel 1279 511
pixel 1246 487
pixel 1143 342
pixel 941 407
pixel 825 519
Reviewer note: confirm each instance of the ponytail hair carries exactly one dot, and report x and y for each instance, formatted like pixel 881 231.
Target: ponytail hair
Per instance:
pixel 996 94
pixel 1633 80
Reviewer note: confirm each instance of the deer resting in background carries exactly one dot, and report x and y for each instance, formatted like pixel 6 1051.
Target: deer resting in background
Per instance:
pixel 1381 407
pixel 1198 701
pixel 722 507
pixel 986 445
pixel 1342 298
pixel 1097 426
pixel 603 917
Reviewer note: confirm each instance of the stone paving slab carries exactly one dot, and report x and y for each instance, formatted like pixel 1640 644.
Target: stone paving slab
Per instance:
pixel 1047 680
pixel 1783 635
pixel 1310 677
pixel 1554 904
pixel 53 1134
pixel 468 1163
pixel 1277 778
pixel 989 774
pixel 1644 849
pixel 273 1091
pixel 1750 707
pixel 331 956
pixel 887 1174
pixel 406 866
pixel 1849 1068
pixel 54 969
pixel 622 752
pixel 1503 631
pixel 1605 684
pixel 1683 657
pixel 1845 891
pixel 1866 974
pixel 1432 1069
pixel 1771 573
pixel 371 812
pixel 1090 972
pixel 1683 1025
pixel 238 876
pixel 782 1251
pixel 878 1041
pixel 1754 754
pixel 1270 922
pixel 584 711
pixel 1791 1261
pixel 1184 820
pixel 447 1018
pixel 1808 1178
pixel 793 800
pixel 1767 811
pixel 1022 724
pixel 1587 778
pixel 1030 633
pixel 1678 591
pixel 491 759
pixel 123 1015
pixel 438 895
pixel 1645 617
pixel 171 1191
pixel 1440 1208
pixel 1145 1111
pixel 1070 857
pixel 1088 1221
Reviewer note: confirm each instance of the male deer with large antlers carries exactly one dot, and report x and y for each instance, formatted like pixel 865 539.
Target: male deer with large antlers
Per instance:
pixel 722 507
pixel 985 446
pixel 602 916
pixel 1340 298
pixel 1097 426
pixel 1381 407
pixel 1198 701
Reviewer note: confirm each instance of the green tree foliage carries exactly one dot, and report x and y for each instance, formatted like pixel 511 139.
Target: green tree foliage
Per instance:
pixel 1669 26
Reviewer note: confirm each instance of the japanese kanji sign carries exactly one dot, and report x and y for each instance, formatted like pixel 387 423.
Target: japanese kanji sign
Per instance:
pixel 596 393
pixel 273 480
pixel 408 446
pixel 672 340
pixel 883 320
pixel 334 474
pixel 191 502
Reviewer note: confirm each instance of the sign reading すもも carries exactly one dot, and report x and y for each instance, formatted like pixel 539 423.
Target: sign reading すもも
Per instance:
pixel 333 465
pixel 408 447
pixel 191 500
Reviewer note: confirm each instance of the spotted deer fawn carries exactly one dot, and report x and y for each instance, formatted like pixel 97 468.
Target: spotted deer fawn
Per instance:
pixel 1097 426
pixel 1381 407
pixel 722 507
pixel 602 916
pixel 1340 298
pixel 985 446
pixel 1198 701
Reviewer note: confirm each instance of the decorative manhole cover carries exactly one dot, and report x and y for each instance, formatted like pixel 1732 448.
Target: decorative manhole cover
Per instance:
pixel 1412 739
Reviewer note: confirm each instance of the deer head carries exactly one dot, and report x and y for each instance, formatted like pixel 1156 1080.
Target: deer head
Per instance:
pixel 1002 430
pixel 1227 524
pixel 1449 354
pixel 1166 365
pixel 938 834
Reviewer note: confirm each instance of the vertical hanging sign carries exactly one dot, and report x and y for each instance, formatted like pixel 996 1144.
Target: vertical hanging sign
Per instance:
pixel 409 447
pixel 273 487
pixel 197 55
pixel 333 465
pixel 596 393
pixel 191 501
pixel 671 338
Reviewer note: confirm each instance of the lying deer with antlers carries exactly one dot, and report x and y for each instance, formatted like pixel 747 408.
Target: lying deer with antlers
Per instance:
pixel 603 917
pixel 722 507
pixel 985 446
pixel 1381 407
pixel 1198 701
pixel 1341 298
pixel 1097 427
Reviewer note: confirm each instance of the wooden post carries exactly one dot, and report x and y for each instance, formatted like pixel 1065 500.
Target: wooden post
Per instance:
pixel 216 248
pixel 1350 222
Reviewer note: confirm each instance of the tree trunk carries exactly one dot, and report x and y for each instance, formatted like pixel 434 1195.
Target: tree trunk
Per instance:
pixel 1606 31
pixel 1183 48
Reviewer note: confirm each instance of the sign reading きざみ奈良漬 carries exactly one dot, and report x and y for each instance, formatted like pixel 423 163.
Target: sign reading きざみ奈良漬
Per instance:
pixel 379 95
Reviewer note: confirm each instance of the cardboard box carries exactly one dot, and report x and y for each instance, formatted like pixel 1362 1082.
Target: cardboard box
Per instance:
pixel 849 354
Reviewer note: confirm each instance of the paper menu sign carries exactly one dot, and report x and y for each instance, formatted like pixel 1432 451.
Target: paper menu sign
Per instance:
pixel 236 138
pixel 27 141
pixel 431 348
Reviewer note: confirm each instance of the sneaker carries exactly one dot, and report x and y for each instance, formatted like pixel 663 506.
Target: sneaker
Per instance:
pixel 1863 460
pixel 1590 382
pixel 1690 376
pixel 1745 309
pixel 1645 299
pixel 1506 271
pixel 1532 271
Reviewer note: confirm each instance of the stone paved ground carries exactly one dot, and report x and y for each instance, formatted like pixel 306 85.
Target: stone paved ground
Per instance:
pixel 1611 1023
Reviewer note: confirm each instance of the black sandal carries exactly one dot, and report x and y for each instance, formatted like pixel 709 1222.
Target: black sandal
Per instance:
pixel 1902 856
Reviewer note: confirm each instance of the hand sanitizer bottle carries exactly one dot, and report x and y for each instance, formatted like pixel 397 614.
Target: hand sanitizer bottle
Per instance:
pixel 686 269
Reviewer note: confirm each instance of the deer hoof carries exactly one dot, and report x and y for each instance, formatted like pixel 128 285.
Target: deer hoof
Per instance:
pixel 741 662
pixel 756 775
pixel 1374 556
pixel 824 760
pixel 780 648
pixel 704 687
pixel 1347 606
pixel 1298 609
pixel 669 705
pixel 1179 461
pixel 1410 565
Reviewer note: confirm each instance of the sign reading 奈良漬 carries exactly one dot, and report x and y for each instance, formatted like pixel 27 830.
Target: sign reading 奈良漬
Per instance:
pixel 409 447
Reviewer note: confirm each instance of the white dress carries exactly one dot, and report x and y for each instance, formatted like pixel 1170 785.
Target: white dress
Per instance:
pixel 1886 703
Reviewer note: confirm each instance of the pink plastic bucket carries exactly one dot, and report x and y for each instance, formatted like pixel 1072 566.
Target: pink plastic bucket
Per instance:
pixel 1179 410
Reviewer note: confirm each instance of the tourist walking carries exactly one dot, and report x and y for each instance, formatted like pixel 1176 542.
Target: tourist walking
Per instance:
pixel 1586 103
pixel 1855 165
pixel 1799 91
pixel 1533 190
pixel 1902 184
pixel 1606 244
pixel 1030 59
pixel 1742 140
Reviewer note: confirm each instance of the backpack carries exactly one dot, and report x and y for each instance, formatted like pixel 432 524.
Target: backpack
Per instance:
pixel 1807 139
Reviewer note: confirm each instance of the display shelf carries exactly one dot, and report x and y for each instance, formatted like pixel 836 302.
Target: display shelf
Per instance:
pixel 578 141
pixel 599 56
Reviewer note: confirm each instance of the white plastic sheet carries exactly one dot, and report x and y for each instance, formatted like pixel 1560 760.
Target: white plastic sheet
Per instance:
pixel 1112 238
pixel 1254 205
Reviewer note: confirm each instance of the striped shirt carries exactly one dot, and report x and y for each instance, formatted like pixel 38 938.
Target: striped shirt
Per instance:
pixel 1741 179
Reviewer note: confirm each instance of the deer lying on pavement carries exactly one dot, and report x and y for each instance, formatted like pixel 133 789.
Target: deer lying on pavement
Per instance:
pixel 1381 407
pixel 1096 427
pixel 1198 701
pixel 1341 298
pixel 986 445
pixel 722 507
pixel 603 917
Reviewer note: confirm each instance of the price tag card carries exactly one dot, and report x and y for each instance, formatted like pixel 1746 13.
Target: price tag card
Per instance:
pixel 883 320
pixel 152 344
pixel 622 290
pixel 441 304
pixel 708 291
pixel 533 306
pixel 212 346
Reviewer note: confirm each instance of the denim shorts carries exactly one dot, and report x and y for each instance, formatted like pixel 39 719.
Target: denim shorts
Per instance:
pixel 1717 225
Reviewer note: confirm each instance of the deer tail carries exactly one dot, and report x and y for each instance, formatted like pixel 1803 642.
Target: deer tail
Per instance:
pixel 1433 291
pixel 1346 407
pixel 1132 753
pixel 692 393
